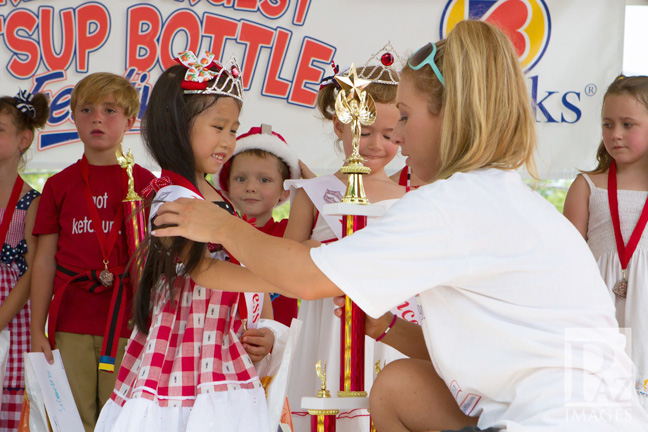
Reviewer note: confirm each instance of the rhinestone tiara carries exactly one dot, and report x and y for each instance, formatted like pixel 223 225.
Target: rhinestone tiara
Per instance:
pixel 378 69
pixel 200 74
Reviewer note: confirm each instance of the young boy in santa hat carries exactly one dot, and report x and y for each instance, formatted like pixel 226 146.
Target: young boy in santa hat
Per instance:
pixel 253 180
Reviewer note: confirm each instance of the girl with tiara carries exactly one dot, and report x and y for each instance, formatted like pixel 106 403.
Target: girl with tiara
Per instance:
pixel 185 367
pixel 320 337
pixel 20 116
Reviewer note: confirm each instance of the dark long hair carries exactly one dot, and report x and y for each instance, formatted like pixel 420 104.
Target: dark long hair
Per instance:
pixel 166 130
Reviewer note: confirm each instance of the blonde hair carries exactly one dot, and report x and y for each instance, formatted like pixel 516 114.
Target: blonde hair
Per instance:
pixel 488 121
pixel 98 86
pixel 635 86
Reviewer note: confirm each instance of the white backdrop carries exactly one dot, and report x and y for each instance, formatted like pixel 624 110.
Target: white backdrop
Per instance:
pixel 571 50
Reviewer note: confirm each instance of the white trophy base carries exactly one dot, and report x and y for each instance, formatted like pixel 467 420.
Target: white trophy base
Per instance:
pixel 335 403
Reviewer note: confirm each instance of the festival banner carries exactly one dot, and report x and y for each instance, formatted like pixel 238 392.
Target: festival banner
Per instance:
pixel 570 51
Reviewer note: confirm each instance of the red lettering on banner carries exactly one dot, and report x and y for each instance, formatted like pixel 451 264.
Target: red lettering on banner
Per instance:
pixel 1 23
pixel 254 36
pixel 219 28
pixel 273 85
pixel 22 47
pixel 52 60
pixel 93 29
pixel 182 20
pixel 226 3
pixel 143 26
pixel 301 11
pixel 312 51
pixel 274 10
pixel 246 5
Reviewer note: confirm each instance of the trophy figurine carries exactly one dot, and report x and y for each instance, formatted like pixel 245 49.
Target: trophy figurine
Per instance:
pixel 322 416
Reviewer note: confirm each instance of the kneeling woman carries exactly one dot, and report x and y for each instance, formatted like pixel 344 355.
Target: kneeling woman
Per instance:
pixel 519 326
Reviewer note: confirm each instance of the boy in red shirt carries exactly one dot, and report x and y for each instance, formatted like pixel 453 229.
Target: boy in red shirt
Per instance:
pixel 253 179
pixel 82 266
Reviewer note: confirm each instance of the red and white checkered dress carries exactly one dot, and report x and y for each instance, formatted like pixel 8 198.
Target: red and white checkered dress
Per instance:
pixel 191 372
pixel 12 266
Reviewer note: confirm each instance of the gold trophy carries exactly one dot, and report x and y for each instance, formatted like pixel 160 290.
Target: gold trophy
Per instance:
pixel 356 107
pixel 322 418
pixel 133 216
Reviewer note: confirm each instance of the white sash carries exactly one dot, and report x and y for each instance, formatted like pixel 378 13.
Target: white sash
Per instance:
pixel 322 190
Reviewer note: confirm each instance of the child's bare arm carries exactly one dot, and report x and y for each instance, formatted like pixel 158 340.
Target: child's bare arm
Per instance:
pixel 267 312
pixel 42 287
pixel 577 205
pixel 301 219
pixel 20 292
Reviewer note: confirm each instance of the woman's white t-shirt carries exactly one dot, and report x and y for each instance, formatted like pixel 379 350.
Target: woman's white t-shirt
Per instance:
pixel 519 323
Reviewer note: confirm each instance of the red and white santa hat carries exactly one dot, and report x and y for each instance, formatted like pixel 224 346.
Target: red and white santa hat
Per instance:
pixel 262 138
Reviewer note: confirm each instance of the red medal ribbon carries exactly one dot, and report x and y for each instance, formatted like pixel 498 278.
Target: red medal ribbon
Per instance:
pixel 625 252
pixel 11 207
pixel 105 243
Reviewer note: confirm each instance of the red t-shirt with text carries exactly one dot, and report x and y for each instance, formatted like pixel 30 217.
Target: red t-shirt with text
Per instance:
pixel 62 210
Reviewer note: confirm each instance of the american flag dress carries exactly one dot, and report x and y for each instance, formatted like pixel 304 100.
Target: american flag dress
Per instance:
pixel 12 266
pixel 191 372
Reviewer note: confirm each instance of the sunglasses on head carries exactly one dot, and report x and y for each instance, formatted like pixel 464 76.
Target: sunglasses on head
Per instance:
pixel 425 56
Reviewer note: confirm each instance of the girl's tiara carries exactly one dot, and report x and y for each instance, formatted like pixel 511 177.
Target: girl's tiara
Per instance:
pixel 378 69
pixel 204 69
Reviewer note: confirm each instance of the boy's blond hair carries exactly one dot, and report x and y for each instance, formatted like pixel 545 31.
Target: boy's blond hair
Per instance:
pixel 488 121
pixel 98 86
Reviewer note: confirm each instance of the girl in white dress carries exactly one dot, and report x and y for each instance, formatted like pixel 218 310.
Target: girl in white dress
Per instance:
pixel 320 336
pixel 609 206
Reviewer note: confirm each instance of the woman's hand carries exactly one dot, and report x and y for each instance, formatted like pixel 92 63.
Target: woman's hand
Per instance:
pixel 194 219
pixel 373 327
pixel 258 343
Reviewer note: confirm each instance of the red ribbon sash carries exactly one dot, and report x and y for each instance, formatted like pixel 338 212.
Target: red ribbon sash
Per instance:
pixel 625 251
pixel 11 207
pixel 106 243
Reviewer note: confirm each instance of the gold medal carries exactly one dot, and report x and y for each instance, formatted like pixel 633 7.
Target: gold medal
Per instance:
pixel 105 276
pixel 621 288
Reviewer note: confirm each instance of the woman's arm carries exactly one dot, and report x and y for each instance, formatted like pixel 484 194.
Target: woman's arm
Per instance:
pixel 284 263
pixel 20 292
pixel 577 205
pixel 404 336
pixel 301 219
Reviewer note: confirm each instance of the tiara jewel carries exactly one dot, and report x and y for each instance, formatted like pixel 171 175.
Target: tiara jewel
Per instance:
pixel 379 68
pixel 202 70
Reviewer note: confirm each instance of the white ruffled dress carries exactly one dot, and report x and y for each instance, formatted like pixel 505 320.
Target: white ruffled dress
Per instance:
pixel 631 312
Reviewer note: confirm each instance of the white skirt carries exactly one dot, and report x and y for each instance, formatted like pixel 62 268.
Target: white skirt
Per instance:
pixel 212 412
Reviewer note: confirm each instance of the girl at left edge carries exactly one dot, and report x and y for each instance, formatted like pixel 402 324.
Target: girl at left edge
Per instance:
pixel 185 367
pixel 20 116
